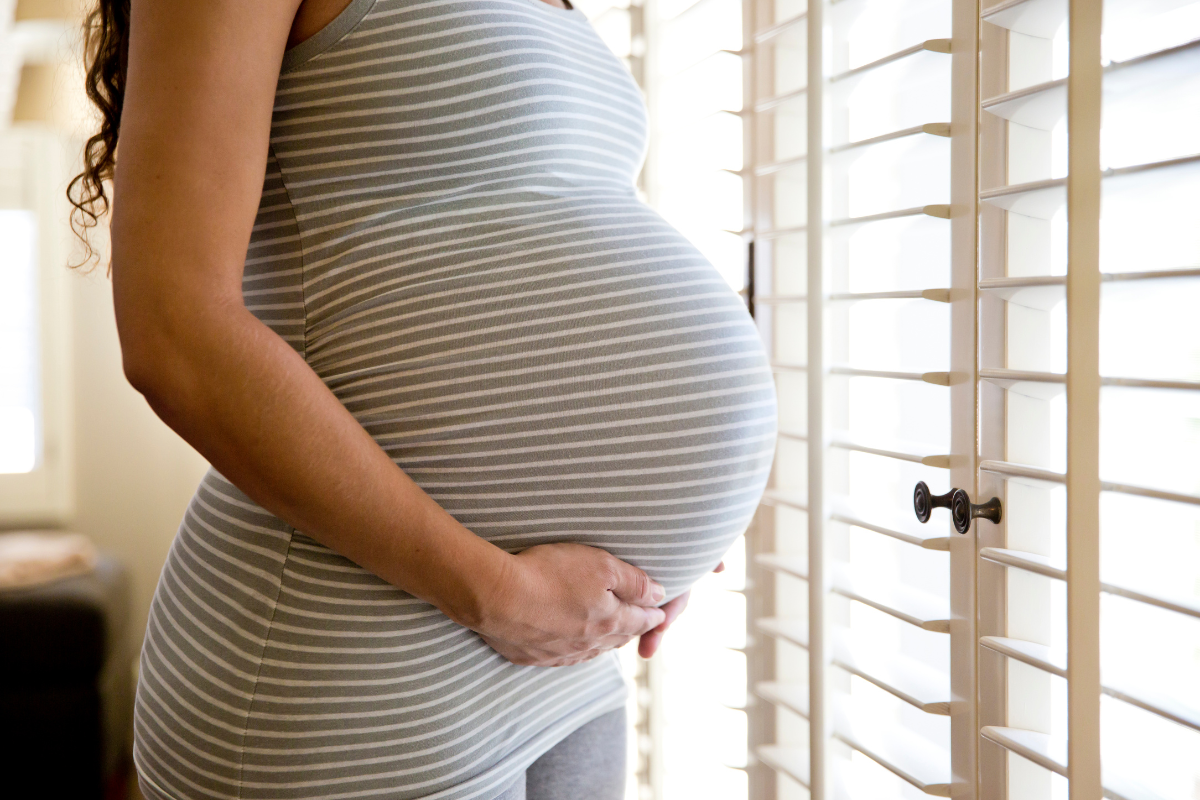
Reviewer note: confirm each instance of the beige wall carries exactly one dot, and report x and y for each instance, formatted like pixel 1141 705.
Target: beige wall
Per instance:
pixel 133 475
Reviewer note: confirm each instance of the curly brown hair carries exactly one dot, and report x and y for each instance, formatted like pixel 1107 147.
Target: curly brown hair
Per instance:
pixel 106 56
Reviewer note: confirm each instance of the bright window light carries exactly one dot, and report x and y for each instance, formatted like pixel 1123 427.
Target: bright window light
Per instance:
pixel 18 343
pixel 696 91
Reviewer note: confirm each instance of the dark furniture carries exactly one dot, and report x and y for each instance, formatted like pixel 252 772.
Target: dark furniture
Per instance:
pixel 66 687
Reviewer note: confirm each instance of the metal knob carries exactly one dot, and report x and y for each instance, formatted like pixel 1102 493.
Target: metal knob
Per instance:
pixel 924 501
pixel 962 510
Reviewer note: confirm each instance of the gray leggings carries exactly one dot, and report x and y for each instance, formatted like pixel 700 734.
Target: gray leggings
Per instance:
pixel 587 765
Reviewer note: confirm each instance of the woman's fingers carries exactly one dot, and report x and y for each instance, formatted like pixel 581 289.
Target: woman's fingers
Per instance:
pixel 636 620
pixel 651 640
pixel 634 586
pixel 567 603
pixel 674 608
pixel 648 644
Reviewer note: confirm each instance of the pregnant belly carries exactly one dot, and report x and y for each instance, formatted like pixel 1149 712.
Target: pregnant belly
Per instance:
pixel 615 395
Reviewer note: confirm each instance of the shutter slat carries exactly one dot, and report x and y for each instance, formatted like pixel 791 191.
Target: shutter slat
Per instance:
pixel 1040 106
pixel 1162 67
pixel 902 602
pixel 1149 275
pixel 1039 18
pixel 920 539
pixel 1117 787
pixel 767 34
pixel 1050 384
pixel 941 129
pixel 1043 292
pixel 771 102
pixel 1035 655
pixel 1000 285
pixel 1054 662
pixel 1042 385
pixel 792 696
pixel 899 752
pixel 779 299
pixel 1152 383
pixel 1043 106
pixel 775 233
pixel 1156 703
pixel 1030 562
pixel 934 295
pixel 1042 565
pixel 791 630
pixel 937 210
pixel 782 497
pixel 796 566
pixel 1050 752
pixel 911 681
pixel 1182 162
pixel 927 46
pixel 934 788
pixel 936 378
pixel 1041 199
pixel 778 367
pixel 776 166
pixel 907 451
pixel 1046 291
pixel 1180 605
pixel 791 761
pixel 1022 471
pixel 1040 748
pixel 1145 491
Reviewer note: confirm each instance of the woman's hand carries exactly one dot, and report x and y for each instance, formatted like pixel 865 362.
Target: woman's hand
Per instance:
pixel 562 604
pixel 650 641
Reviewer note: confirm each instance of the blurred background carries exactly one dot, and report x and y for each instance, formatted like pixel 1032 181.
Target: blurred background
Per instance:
pixel 81 451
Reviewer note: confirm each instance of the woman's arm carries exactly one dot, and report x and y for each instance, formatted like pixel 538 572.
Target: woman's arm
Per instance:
pixel 193 148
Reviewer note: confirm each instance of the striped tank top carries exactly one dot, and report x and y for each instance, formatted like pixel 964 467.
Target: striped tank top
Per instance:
pixel 450 236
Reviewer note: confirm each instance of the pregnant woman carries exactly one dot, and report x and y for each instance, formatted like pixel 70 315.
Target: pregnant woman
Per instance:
pixel 474 411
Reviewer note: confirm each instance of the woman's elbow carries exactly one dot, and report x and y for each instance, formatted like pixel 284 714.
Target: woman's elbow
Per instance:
pixel 145 358
pixel 155 336
pixel 170 348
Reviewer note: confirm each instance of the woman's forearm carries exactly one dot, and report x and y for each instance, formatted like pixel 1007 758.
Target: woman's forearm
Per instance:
pixel 251 405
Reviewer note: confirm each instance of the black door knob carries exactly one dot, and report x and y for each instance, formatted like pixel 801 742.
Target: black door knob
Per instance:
pixel 924 501
pixel 962 510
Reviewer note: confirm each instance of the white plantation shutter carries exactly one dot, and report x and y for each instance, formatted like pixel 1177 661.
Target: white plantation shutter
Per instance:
pixel 1089 255
pixel 853 259
pixel 987 281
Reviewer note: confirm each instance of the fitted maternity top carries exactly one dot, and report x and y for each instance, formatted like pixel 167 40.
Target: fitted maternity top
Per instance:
pixel 450 236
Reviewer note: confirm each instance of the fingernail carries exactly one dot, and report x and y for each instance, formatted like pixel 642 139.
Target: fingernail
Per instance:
pixel 657 592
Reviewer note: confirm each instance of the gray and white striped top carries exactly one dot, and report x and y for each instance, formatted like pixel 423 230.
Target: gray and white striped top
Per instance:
pixel 450 236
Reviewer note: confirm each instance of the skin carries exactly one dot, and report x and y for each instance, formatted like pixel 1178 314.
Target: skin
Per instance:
pixel 194 134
